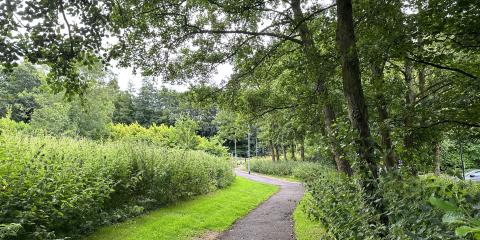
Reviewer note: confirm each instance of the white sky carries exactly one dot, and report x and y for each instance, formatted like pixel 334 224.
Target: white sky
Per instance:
pixel 126 75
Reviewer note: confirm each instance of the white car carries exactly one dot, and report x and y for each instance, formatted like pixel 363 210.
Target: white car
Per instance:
pixel 473 175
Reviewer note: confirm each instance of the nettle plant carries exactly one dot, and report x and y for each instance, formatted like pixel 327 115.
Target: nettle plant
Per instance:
pixel 467 222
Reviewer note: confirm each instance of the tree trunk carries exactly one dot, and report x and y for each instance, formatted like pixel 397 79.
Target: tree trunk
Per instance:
pixel 315 67
pixel 378 82
pixel 408 118
pixel 436 158
pixel 421 80
pixel 272 147
pixel 277 150
pixel 235 148
pixel 352 87
pixel 284 150
pixel 293 152
pixel 302 150
pixel 248 144
pixel 436 145
pixel 256 145
pixel 342 164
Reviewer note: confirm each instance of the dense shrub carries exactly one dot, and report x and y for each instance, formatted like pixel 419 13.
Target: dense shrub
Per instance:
pixel 161 135
pixel 52 188
pixel 410 213
pixel 8 125
pixel 298 169
pixel 338 202
pixel 181 136
pixel 308 171
pixel 280 168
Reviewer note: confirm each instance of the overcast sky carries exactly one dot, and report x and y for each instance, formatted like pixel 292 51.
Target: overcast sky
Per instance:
pixel 125 75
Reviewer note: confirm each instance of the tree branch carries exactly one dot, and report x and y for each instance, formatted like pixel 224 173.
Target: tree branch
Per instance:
pixel 450 121
pixel 436 87
pixel 281 36
pixel 68 26
pixel 443 67
pixel 272 109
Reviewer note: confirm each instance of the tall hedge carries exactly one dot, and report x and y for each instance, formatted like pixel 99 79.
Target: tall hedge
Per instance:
pixel 53 188
pixel 339 203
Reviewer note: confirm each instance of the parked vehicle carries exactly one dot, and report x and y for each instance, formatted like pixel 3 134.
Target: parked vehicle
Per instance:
pixel 473 175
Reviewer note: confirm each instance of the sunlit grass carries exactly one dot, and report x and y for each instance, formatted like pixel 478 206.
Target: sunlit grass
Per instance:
pixel 212 212
pixel 306 229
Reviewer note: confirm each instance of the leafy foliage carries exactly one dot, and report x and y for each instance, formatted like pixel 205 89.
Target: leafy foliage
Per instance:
pixel 14 87
pixel 338 203
pixel 61 187
pixel 297 169
pixel 374 86
pixel 84 117
pixel 182 135
pixel 427 207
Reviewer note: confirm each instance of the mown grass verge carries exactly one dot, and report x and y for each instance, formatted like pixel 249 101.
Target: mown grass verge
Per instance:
pixel 184 220
pixel 305 228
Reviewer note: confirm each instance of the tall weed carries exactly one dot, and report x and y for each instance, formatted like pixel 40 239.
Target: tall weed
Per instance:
pixel 52 188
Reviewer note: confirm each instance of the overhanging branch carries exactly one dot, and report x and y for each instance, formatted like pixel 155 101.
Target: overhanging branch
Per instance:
pixel 443 67
pixel 270 34
pixel 272 109
pixel 467 124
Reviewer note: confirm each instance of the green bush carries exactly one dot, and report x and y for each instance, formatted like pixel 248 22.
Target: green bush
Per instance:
pixel 52 188
pixel 8 125
pixel 308 171
pixel 181 136
pixel 298 169
pixel 338 203
pixel 411 216
pixel 279 168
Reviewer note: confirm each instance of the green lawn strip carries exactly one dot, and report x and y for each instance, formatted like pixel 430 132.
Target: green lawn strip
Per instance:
pixel 286 178
pixel 306 229
pixel 216 212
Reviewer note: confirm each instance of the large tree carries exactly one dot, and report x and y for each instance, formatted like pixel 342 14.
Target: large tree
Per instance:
pixel 184 40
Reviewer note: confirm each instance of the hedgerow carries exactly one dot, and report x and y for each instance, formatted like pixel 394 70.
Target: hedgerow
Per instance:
pixel 55 188
pixel 339 203
pixel 297 169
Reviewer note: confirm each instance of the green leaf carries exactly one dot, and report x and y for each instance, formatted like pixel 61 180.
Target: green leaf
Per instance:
pixel 476 236
pixel 442 204
pixel 453 217
pixel 464 230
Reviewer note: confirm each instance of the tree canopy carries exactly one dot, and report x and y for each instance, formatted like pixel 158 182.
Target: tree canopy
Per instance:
pixel 371 86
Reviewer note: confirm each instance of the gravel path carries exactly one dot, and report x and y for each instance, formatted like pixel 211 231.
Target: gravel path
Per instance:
pixel 272 220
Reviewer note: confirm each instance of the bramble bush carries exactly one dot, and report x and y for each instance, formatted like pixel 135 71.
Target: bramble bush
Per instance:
pixel 338 202
pixel 56 188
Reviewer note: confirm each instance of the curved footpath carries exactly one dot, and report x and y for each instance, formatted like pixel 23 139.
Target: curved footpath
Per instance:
pixel 272 220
